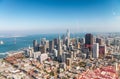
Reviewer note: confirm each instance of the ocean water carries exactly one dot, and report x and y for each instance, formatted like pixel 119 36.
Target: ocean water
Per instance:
pixel 17 43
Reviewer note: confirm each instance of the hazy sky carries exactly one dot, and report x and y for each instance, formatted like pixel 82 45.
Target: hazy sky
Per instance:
pixel 53 16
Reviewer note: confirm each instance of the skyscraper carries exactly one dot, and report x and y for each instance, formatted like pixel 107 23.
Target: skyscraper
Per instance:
pixel 89 41
pixel 68 33
pixel 35 45
pixel 95 50
pixel 59 46
pixel 56 43
pixel 51 46
pixel 64 39
pixel 68 38
pixel 99 40
pixel 43 41
pixel 102 50
pixel 59 50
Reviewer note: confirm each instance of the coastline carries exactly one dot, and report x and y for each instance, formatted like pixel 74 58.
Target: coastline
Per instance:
pixel 5 54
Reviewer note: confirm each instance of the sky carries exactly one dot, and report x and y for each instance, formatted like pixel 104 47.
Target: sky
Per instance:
pixel 55 16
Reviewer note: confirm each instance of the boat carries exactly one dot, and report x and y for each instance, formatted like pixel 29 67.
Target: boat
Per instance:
pixel 1 42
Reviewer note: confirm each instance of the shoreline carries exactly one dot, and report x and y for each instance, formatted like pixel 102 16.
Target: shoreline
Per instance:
pixel 5 54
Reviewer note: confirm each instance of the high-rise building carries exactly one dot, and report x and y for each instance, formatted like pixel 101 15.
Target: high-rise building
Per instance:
pixel 63 56
pixel 68 33
pixel 55 52
pixel 102 50
pixel 51 46
pixel 43 57
pixel 68 38
pixel 35 45
pixel 99 40
pixel 95 50
pixel 89 41
pixel 71 47
pixel 59 50
pixel 56 43
pixel 47 43
pixel 78 45
pixel 43 41
pixel 64 47
pixel 64 39
pixel 59 46
pixel 82 40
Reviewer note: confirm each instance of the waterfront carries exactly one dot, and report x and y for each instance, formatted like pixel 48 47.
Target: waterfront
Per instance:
pixel 52 59
pixel 17 43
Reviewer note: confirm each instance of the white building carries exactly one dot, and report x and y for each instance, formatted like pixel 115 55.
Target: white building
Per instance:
pixel 64 47
pixel 55 52
pixel 36 54
pixel 95 50
pixel 43 57
pixel 30 52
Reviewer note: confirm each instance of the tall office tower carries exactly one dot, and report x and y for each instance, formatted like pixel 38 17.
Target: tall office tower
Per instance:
pixel 64 39
pixel 63 56
pixel 102 50
pixel 47 45
pixel 55 52
pixel 71 47
pixel 68 33
pixel 99 40
pixel 68 38
pixel 59 50
pixel 78 45
pixel 43 41
pixel 56 43
pixel 64 47
pixel 83 40
pixel 59 46
pixel 35 45
pixel 95 50
pixel 89 41
pixel 51 46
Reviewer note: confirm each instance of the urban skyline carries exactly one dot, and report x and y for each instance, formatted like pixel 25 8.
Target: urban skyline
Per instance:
pixel 55 16
pixel 59 39
pixel 64 57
